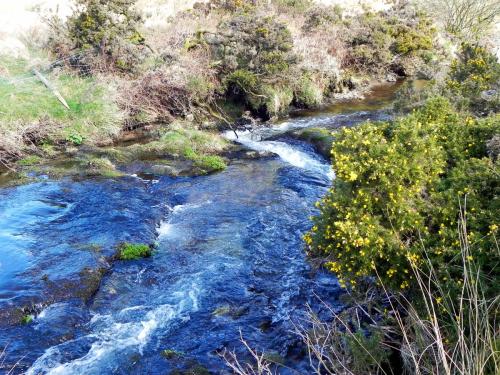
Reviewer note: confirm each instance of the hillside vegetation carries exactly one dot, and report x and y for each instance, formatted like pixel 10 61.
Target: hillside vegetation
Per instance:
pixel 207 65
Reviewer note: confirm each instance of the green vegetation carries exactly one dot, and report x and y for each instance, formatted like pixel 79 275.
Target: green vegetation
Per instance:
pixel 402 190
pixel 401 43
pixel 171 354
pixel 181 141
pixel 320 138
pixel 120 77
pixel 397 190
pixel 256 56
pixel 32 119
pixel 103 42
pixel 133 251
pixel 29 160
pixel 101 167
pixel 474 81
pixel 27 319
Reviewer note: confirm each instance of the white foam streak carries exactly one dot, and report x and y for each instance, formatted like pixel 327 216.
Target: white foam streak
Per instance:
pixel 113 337
pixel 285 151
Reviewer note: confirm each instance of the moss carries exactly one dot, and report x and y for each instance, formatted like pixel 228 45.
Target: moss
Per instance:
pixel 29 160
pixel 102 167
pixel 320 138
pixel 211 163
pixel 132 251
pixel 222 310
pixel 180 141
pixel 171 354
pixel 27 319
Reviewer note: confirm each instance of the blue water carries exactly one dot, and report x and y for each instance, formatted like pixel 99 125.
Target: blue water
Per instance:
pixel 229 257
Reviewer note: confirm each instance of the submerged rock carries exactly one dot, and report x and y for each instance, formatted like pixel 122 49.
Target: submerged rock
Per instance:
pixel 83 287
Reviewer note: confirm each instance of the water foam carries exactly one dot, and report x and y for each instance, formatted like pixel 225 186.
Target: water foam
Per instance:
pixel 114 336
pixel 285 151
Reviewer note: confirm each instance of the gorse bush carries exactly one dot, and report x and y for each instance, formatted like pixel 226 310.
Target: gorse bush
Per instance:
pixel 472 85
pixel 256 57
pixel 254 43
pixel 104 33
pixel 398 42
pixel 474 80
pixel 397 191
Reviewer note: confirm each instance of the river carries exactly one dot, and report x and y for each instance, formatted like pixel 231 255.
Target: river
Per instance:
pixel 228 258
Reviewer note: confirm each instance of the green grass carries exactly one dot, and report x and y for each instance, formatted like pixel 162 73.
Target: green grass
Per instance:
pixel 132 251
pixel 197 146
pixel 185 142
pixel 29 160
pixel 211 163
pixel 24 100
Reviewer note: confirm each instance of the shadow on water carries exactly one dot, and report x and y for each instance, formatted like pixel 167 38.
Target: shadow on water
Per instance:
pixel 229 256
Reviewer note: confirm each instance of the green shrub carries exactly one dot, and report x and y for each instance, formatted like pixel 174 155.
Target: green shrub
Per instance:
pixel 322 16
pixel 401 41
pixel 257 44
pixel 396 197
pixel 367 350
pixel 256 60
pixel 104 32
pixel 242 80
pixel 474 80
pixel 295 5
pixel 132 251
pixel 308 94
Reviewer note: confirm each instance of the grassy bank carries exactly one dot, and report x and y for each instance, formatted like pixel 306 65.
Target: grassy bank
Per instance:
pixel 34 122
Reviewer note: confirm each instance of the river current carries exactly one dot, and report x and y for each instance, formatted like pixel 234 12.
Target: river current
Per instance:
pixel 229 260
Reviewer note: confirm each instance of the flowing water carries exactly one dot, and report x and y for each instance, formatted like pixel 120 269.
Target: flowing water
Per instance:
pixel 229 258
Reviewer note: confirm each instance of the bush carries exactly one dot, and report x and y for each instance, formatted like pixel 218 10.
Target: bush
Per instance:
pixel 325 16
pixel 398 42
pixel 294 5
pixel 105 34
pixel 469 19
pixel 474 80
pixel 256 58
pixel 254 43
pixel 397 191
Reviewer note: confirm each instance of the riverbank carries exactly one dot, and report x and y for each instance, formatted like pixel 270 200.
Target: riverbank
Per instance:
pixel 180 75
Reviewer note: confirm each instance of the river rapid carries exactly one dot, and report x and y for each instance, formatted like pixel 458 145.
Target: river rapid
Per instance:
pixel 228 258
